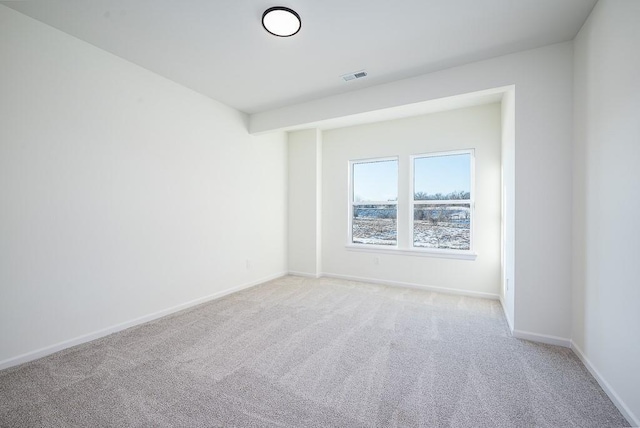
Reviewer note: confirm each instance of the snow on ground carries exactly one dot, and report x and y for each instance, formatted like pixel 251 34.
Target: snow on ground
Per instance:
pixel 427 234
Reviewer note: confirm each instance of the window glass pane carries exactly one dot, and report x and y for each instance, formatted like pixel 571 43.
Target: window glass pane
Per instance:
pixel 374 224
pixel 443 226
pixel 442 177
pixel 375 181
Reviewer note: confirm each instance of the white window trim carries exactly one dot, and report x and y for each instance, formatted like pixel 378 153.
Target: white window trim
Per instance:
pixel 407 227
pixel 471 201
pixel 415 251
pixel 351 202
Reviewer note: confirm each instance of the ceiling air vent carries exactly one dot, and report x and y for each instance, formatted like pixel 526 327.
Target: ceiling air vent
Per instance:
pixel 355 75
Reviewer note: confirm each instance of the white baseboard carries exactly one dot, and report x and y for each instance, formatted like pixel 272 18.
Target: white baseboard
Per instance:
pixel 48 350
pixel 615 398
pixel 542 338
pixel 304 274
pixel 413 285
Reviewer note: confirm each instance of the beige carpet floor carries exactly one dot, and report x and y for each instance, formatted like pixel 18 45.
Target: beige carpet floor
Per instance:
pixel 298 352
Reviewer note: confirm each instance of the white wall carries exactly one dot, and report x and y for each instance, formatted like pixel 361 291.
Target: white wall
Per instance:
pixel 121 193
pixel 476 127
pixel 543 131
pixel 508 172
pixel 606 272
pixel 305 164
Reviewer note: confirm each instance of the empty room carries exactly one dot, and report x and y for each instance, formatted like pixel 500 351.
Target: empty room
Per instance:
pixel 219 213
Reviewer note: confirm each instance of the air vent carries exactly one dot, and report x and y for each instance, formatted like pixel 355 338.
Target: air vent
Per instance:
pixel 355 75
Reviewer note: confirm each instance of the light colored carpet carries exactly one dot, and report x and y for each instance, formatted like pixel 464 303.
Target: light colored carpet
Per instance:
pixel 298 352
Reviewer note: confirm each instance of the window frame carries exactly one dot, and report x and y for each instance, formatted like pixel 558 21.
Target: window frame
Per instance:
pixel 471 201
pixel 351 204
pixel 405 228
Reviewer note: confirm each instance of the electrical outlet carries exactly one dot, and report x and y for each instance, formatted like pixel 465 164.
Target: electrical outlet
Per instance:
pixel 248 263
pixel 507 284
pixel 376 261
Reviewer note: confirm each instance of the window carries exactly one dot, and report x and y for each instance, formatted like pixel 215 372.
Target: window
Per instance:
pixel 438 204
pixel 441 202
pixel 374 202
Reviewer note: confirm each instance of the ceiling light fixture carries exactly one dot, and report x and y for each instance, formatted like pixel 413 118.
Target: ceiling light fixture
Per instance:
pixel 281 21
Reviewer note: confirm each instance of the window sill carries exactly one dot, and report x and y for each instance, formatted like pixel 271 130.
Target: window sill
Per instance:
pixel 446 254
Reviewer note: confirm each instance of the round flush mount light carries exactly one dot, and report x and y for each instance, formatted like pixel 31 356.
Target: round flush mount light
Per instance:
pixel 281 21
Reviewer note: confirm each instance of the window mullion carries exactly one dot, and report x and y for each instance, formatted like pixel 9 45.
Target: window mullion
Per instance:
pixel 404 200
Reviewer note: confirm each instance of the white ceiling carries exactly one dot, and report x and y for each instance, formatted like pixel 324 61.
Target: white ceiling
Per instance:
pixel 219 48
